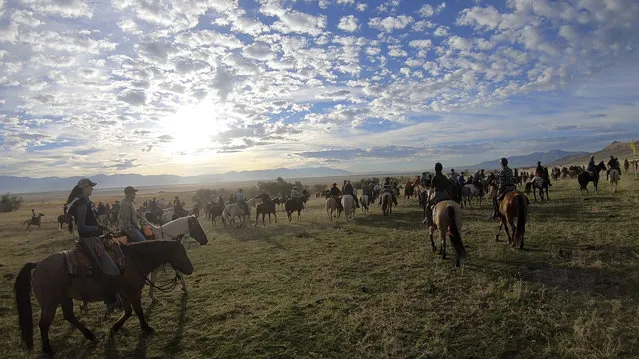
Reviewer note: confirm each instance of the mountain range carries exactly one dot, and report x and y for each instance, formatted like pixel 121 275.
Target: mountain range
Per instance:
pixel 621 150
pixel 527 161
pixel 31 185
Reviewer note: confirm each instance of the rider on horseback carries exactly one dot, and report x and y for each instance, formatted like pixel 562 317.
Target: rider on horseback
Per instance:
pixel 505 184
pixel 388 188
pixel 613 163
pixel 241 201
pixel 89 229
pixel 349 189
pixel 296 196
pixel 336 193
pixel 128 218
pixel 442 188
pixel 34 218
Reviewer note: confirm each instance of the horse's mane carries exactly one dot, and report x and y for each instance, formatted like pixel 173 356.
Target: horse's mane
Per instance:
pixel 148 248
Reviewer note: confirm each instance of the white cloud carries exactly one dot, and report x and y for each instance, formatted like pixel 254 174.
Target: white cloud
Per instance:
pixel 348 23
pixel 390 23
pixel 64 8
pixel 421 44
pixel 259 51
pixel 362 7
pixel 426 11
pixel 396 51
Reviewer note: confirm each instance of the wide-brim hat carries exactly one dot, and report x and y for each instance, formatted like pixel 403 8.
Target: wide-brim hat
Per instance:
pixel 130 189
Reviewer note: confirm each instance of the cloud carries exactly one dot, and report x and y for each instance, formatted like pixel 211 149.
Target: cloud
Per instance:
pixel 390 23
pixel 348 23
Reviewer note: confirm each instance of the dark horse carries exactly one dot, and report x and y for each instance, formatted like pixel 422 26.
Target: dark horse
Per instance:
pixel 584 177
pixel 214 210
pixel 539 183
pixel 266 207
pixel 53 287
pixel 62 219
pixel 295 205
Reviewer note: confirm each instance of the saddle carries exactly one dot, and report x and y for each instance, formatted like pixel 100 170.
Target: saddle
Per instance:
pixel 79 264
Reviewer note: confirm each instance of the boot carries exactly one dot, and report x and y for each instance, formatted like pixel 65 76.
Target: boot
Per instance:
pixel 428 221
pixel 111 297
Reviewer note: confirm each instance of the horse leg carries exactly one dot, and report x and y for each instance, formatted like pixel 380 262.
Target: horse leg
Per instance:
pixel 442 233
pixel 182 281
pixel 153 275
pixel 432 242
pixel 47 314
pixel 504 221
pixel 67 310
pixel 257 217
pixel 501 225
pixel 136 303
pixel 126 315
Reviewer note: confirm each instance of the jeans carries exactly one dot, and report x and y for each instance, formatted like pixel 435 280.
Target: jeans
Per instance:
pixel 134 235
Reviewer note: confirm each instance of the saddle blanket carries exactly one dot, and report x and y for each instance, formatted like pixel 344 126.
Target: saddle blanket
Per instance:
pixel 79 264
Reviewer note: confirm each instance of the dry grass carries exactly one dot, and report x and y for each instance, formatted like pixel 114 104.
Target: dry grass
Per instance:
pixel 373 288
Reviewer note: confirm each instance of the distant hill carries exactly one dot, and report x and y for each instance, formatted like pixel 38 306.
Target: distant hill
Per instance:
pixel 621 150
pixel 30 185
pixel 526 161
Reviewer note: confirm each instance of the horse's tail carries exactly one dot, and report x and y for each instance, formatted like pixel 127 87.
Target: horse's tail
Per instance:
pixel 22 289
pixel 70 226
pixel 521 221
pixel 455 236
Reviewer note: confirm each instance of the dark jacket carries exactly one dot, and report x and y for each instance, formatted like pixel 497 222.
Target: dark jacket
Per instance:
pixel 85 218
pixel 335 192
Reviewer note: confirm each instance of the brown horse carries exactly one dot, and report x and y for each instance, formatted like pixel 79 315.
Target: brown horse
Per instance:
pixel 447 217
pixel 34 221
pixel 62 219
pixel 514 204
pixel 387 203
pixel 333 205
pixel 294 205
pixel 53 287
pixel 266 207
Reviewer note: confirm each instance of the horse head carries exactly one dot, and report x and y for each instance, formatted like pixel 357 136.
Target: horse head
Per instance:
pixel 196 231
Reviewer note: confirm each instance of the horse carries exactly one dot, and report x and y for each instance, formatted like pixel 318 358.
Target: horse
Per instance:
pixel 33 221
pixel 613 179
pixel 409 191
pixel 471 191
pixel 294 205
pixel 332 205
pixel 585 177
pixel 176 230
pixel 233 210
pixel 266 207
pixel 214 210
pixel 53 287
pixel 387 203
pixel 514 204
pixel 447 217
pixel 62 219
pixel 538 183
pixel 348 202
pixel 364 201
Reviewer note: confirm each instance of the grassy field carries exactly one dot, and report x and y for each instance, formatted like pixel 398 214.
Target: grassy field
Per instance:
pixel 372 288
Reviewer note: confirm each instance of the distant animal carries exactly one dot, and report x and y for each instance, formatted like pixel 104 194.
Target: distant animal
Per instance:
pixel 537 183
pixel 232 211
pixel 471 191
pixel 348 202
pixel 53 286
pixel 387 203
pixel 332 205
pixel 294 205
pixel 586 177
pixel 409 191
pixel 363 201
pixel 34 221
pixel 266 207
pixel 513 205
pixel 62 219
pixel 613 179
pixel 447 218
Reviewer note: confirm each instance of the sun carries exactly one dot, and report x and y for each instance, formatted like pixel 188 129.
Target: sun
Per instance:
pixel 194 127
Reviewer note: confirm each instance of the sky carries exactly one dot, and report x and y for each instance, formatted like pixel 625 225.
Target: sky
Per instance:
pixel 194 87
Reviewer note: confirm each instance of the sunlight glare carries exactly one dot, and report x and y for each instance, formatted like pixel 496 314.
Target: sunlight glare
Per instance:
pixel 194 127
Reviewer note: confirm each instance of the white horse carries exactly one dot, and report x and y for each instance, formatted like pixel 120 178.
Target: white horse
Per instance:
pixel 332 206
pixel 613 179
pixel 363 201
pixel 469 192
pixel 176 230
pixel 233 210
pixel 348 202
